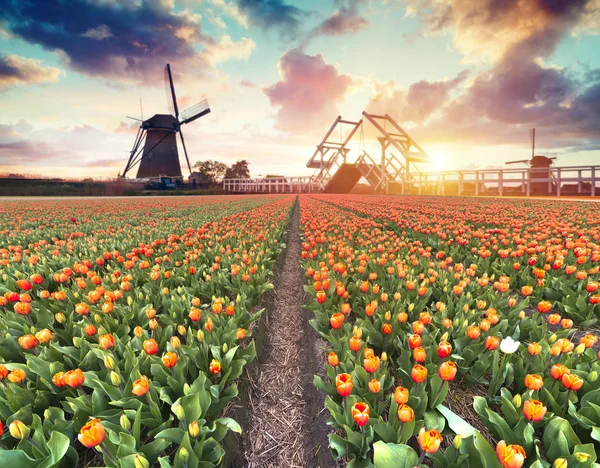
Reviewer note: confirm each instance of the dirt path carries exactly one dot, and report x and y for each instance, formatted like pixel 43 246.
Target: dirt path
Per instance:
pixel 280 429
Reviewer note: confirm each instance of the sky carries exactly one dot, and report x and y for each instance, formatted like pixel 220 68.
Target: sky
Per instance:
pixel 466 79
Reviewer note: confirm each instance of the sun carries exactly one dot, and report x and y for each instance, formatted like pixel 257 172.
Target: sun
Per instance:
pixel 438 160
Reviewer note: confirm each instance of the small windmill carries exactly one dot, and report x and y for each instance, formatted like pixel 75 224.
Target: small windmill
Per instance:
pixel 536 161
pixel 155 146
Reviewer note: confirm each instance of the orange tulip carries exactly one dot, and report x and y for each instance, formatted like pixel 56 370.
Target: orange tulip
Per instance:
pixel 344 385
pixel 405 413
pixel 544 306
pixel 214 367
pixel 337 320
pixel 169 359
pixel 106 342
pixel 558 370
pixel 16 376
pixel 534 410
pixel 491 343
pixel 534 348
pixel 360 413
pixel 374 386
pixel 150 346
pixel 572 381
pixel 58 379
pixel 92 433
pixel 510 456
pixel 534 381
pixel 74 378
pixel 28 342
pixel 418 373
pixel 140 386
pixel 401 395
pixel 333 359
pixel 447 371
pixel 429 441
pixel 371 364
pixel 419 355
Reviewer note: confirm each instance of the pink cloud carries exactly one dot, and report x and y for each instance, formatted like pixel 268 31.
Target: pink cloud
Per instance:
pixel 308 93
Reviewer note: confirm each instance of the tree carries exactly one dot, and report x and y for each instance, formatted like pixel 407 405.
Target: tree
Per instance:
pixel 214 170
pixel 239 170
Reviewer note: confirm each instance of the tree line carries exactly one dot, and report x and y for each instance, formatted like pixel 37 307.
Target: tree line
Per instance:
pixel 216 171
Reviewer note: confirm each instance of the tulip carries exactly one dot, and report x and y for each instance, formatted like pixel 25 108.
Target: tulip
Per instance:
pixel 508 345
pixel 371 364
pixel 333 359
pixel 534 381
pixel 360 413
pixel 401 395
pixel 374 386
pixel 92 434
pixel 444 349
pixel 106 342
pixel 572 381
pixel 534 410
pixel 419 373
pixel 447 371
pixel 344 385
pixel 169 359
pixel 405 413
pixel 510 456
pixel 194 429
pixel 544 306
pixel 16 376
pixel 419 355
pixel 558 370
pixel 214 367
pixel 534 348
pixel 141 386
pixel 3 372
pixel 74 378
pixel 491 343
pixel 19 430
pixel 140 462
pixel 336 321
pixel 429 441
pixel 150 346
pixel 28 342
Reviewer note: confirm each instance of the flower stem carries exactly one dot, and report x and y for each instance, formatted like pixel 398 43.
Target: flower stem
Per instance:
pixel 109 455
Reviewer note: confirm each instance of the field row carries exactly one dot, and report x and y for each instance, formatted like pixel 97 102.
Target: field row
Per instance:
pixel 421 299
pixel 125 325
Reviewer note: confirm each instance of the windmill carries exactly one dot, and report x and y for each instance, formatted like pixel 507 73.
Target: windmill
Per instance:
pixel 155 145
pixel 540 169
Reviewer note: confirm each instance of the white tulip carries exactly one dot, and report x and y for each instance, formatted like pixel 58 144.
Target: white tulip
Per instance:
pixel 508 345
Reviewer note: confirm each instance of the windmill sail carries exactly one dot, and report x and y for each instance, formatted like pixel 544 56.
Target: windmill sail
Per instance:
pixel 170 92
pixel 194 112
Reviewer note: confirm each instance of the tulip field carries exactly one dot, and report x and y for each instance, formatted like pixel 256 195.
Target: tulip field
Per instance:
pixel 456 332
pixel 416 297
pixel 125 325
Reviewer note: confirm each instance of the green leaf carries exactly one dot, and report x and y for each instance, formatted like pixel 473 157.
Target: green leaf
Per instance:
pixel 396 455
pixel 456 423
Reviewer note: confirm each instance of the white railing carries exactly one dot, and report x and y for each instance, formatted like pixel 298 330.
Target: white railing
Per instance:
pixel 524 181
pixel 270 185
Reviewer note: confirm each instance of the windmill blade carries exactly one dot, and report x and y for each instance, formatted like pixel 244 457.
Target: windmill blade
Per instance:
pixel 194 112
pixel 170 91
pixel 525 161
pixel 185 151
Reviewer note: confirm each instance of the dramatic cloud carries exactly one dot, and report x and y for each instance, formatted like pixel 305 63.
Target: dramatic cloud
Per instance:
pixel 308 93
pixel 418 103
pixel 77 148
pixel 20 70
pixel 520 89
pixel 488 28
pixel 270 14
pixel 119 39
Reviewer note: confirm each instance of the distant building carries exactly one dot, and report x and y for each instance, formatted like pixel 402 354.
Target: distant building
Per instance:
pixel 199 180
